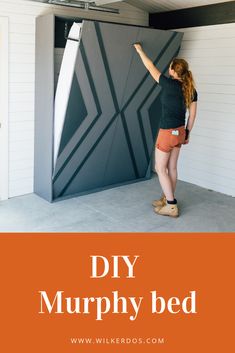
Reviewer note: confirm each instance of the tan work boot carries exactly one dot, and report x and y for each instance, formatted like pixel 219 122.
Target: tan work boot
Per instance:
pixel 168 210
pixel 160 203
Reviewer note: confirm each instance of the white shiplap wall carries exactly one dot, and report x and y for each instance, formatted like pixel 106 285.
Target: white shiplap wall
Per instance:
pixel 22 14
pixel 209 159
pixel 4 108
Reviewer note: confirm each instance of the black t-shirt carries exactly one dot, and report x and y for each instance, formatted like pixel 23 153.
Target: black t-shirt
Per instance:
pixel 173 105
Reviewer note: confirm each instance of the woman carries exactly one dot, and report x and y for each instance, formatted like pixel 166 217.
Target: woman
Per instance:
pixel 178 95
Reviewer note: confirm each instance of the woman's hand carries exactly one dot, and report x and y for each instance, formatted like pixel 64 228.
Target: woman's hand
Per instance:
pixel 187 133
pixel 154 72
pixel 138 47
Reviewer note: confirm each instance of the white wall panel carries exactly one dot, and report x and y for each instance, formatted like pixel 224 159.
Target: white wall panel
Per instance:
pixel 209 159
pixel 4 104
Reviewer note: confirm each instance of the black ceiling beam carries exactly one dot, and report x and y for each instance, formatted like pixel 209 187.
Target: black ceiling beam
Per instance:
pixel 194 17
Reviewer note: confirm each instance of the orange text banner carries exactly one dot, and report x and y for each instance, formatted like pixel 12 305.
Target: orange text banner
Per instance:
pixel 65 293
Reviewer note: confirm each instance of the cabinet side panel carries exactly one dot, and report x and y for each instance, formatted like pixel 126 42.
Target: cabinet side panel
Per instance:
pixel 44 98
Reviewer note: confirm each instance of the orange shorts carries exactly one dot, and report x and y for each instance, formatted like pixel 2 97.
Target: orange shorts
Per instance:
pixel 169 138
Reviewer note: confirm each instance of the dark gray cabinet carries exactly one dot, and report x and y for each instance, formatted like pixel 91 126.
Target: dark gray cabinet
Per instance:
pixel 113 109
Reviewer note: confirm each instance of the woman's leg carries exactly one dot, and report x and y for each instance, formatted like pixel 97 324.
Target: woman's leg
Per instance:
pixel 162 159
pixel 172 167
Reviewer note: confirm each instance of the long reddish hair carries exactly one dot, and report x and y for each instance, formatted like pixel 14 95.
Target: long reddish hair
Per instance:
pixel 181 67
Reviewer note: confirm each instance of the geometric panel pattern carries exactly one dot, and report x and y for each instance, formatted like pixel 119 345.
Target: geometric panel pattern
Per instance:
pixel 110 129
pixel 99 129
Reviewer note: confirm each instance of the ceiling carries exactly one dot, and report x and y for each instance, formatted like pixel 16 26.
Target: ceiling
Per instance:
pixel 152 6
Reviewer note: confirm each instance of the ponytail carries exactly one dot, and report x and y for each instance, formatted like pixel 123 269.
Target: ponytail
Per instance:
pixel 180 66
pixel 188 87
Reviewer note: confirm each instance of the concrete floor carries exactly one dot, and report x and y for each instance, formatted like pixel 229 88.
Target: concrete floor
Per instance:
pixel 123 209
